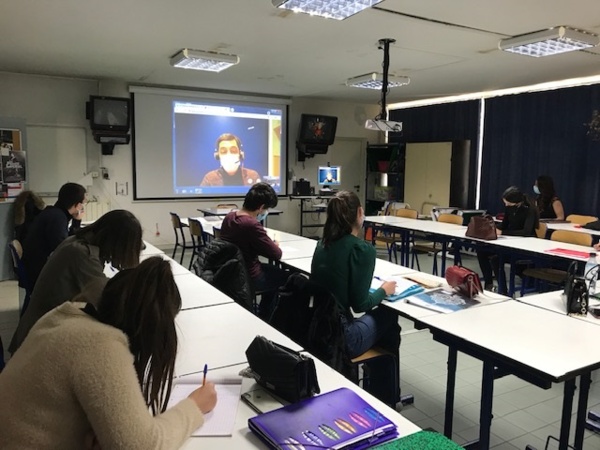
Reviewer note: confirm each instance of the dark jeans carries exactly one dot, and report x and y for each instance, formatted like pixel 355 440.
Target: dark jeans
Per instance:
pixel 377 327
pixel 269 281
pixel 490 268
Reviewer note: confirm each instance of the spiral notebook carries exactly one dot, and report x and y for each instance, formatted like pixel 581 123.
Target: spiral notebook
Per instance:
pixel 339 419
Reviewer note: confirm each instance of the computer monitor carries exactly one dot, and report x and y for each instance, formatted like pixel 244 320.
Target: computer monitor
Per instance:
pixel 329 175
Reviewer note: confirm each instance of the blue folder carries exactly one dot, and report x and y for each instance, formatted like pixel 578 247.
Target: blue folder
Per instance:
pixel 339 419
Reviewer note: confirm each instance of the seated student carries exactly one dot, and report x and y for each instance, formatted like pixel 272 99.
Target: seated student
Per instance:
pixel 115 238
pixel 344 264
pixel 520 219
pixel 228 151
pixel 244 229
pixel 547 202
pixel 51 227
pixel 28 205
pixel 87 375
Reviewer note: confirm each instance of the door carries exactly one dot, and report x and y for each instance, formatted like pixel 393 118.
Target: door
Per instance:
pixel 427 175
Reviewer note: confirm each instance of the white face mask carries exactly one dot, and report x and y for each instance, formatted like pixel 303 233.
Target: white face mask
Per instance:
pixel 536 189
pixel 230 163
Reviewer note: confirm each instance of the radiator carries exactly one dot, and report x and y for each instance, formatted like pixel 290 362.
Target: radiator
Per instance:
pixel 93 210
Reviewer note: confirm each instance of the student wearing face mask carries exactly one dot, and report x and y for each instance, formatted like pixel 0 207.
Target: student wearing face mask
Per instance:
pixel 520 219
pixel 547 202
pixel 228 151
pixel 244 229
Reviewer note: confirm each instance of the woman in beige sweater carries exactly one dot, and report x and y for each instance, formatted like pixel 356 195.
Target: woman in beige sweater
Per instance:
pixel 87 376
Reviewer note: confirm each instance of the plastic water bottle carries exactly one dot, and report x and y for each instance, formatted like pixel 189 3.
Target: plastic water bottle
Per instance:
pixel 590 273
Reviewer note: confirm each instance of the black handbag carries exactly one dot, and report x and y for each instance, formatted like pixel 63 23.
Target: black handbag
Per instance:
pixel 288 374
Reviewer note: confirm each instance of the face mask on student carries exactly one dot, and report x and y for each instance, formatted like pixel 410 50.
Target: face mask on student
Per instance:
pixel 262 216
pixel 536 189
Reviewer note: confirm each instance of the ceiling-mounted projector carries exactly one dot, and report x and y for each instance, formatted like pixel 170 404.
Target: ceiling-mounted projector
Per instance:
pixel 383 125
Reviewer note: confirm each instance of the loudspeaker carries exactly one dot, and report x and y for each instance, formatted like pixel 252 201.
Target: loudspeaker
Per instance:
pixel 301 187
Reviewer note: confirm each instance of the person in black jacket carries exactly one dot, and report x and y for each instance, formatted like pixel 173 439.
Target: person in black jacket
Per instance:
pixel 520 219
pixel 52 226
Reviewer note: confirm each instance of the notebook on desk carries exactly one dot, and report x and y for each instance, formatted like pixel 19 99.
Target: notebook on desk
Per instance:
pixel 339 419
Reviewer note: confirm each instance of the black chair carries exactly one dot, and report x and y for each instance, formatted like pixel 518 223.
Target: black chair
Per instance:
pixel 16 252
pixel 198 239
pixel 179 236
pixel 310 315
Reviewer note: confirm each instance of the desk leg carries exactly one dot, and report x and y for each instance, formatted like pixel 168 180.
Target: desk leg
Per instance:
pixel 501 274
pixel 444 251
pixel 565 422
pixel 450 387
pixel 485 413
pixel 406 248
pixel 584 390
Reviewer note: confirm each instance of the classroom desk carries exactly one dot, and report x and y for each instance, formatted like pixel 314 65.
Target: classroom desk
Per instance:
pixel 219 336
pixel 382 268
pixel 225 211
pixel 197 293
pixel 282 236
pixel 297 249
pixel 151 250
pixel 243 438
pixel 556 302
pixel 558 352
pixel 208 223
pixel 571 227
pixel 177 268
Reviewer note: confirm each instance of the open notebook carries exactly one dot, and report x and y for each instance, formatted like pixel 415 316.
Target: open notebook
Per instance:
pixel 339 419
pixel 221 420
pixel 404 287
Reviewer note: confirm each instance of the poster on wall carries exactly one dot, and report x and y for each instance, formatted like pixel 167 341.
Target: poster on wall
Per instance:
pixel 13 158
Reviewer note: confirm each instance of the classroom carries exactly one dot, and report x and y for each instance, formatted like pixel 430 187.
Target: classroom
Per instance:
pixel 464 119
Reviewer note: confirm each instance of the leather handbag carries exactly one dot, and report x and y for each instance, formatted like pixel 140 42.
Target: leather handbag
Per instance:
pixel 288 374
pixel 464 280
pixel 482 227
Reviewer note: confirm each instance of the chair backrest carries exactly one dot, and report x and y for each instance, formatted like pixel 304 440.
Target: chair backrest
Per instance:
pixel 175 220
pixel 408 213
pixel 580 220
pixel 572 237
pixel 231 206
pixel 541 230
pixel 310 315
pixel 16 252
pixel 216 232
pixel 221 264
pixel 450 218
pixel 196 231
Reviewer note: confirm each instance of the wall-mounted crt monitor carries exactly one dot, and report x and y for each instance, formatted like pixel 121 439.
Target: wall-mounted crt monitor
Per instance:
pixel 109 113
pixel 329 175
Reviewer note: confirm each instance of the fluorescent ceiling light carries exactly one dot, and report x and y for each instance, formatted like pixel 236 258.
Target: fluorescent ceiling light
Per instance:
pixel 330 9
pixel 201 60
pixel 375 81
pixel 549 42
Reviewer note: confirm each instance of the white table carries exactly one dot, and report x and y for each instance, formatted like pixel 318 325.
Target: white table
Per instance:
pixel 558 349
pixel 243 438
pixel 219 336
pixel 151 250
pixel 571 227
pixel 297 249
pixel 382 268
pixel 556 302
pixel 177 268
pixel 197 293
pixel 282 236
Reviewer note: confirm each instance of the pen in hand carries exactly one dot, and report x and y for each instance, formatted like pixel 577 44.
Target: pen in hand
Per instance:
pixel 204 377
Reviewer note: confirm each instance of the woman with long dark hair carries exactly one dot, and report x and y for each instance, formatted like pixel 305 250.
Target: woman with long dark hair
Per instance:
pixel 115 238
pixel 520 219
pixel 344 264
pixel 87 375
pixel 547 202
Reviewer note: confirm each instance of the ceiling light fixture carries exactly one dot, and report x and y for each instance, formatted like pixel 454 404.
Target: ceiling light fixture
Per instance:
pixel 375 81
pixel 330 9
pixel 549 42
pixel 201 60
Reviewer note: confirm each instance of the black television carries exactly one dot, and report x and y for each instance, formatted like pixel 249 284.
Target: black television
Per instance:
pixel 316 129
pixel 109 113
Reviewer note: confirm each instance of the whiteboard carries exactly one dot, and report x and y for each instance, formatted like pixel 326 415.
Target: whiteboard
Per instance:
pixel 55 155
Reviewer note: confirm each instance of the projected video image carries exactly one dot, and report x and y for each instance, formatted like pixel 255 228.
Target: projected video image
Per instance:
pixel 222 149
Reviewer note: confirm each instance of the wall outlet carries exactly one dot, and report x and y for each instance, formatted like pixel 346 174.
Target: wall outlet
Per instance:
pixel 122 188
pixel 94 174
pixel 105 175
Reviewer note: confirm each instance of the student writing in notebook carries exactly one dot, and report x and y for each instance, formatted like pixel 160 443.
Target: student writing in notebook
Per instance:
pixel 86 377
pixel 344 264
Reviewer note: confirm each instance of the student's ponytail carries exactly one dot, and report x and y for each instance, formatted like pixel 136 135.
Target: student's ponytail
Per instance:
pixel 342 212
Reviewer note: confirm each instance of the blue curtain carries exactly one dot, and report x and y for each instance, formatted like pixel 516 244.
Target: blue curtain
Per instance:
pixel 542 133
pixel 446 122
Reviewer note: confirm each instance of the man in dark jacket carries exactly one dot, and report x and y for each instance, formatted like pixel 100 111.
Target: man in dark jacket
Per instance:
pixel 51 227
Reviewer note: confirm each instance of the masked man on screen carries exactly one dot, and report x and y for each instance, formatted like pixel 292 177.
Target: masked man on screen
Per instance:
pixel 228 151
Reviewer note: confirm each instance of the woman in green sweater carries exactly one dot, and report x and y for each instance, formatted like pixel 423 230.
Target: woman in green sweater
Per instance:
pixel 343 263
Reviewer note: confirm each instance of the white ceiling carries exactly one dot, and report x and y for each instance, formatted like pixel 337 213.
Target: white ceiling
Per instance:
pixel 445 47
